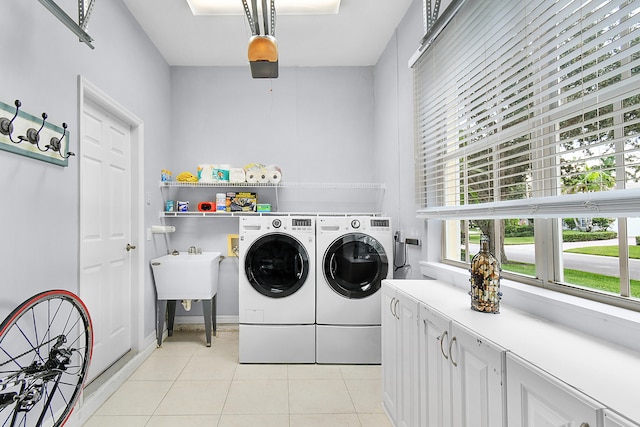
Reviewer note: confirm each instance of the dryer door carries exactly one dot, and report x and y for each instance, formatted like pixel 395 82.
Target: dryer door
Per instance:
pixel 276 265
pixel 355 265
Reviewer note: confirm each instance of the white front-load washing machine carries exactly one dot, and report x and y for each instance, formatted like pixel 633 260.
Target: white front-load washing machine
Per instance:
pixel 354 255
pixel 277 289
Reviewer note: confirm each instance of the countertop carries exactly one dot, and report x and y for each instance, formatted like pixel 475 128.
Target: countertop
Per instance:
pixel 604 371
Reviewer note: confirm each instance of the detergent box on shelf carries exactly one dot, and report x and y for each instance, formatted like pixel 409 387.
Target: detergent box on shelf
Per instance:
pixel 241 202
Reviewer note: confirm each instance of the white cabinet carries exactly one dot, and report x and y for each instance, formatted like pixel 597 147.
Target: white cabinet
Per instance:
pixel 400 357
pixel 461 375
pixel 435 369
pixel 511 369
pixel 389 352
pixel 477 378
pixel 612 419
pixel 537 399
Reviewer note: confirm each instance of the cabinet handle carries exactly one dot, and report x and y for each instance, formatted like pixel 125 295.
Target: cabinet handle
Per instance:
pixel 391 306
pixel 444 334
pixel 454 339
pixel 395 309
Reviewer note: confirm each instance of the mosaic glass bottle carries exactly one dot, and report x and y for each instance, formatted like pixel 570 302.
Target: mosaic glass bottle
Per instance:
pixel 485 280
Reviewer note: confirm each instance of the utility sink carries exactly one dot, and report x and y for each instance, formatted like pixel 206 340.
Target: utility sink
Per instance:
pixel 186 276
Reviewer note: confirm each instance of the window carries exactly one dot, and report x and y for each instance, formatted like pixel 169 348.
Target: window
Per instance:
pixel 528 122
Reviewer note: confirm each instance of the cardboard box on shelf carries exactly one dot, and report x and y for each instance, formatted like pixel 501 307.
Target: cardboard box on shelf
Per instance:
pixel 241 202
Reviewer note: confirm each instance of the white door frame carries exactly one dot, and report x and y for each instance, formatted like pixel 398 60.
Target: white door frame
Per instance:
pixel 88 91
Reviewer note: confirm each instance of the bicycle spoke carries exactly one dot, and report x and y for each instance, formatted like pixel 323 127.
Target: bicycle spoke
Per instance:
pixel 48 342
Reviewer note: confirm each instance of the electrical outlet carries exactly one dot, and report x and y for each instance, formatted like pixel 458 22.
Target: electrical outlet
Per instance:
pixel 412 241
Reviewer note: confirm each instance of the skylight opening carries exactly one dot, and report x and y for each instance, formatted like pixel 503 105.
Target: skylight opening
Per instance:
pixel 283 7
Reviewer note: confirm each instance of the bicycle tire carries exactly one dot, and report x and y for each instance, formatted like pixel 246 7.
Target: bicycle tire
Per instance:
pixel 46 344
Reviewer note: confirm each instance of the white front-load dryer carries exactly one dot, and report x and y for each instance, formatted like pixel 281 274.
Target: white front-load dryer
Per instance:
pixel 276 292
pixel 354 255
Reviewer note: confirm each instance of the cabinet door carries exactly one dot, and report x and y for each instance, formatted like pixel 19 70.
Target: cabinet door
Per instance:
pixel 612 419
pixel 536 399
pixel 476 380
pixel 407 346
pixel 389 352
pixel 435 372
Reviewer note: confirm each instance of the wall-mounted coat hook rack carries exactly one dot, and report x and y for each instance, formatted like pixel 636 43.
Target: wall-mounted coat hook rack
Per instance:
pixel 24 125
pixel 6 125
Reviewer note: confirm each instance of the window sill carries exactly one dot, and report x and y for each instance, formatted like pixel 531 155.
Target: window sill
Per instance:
pixel 613 324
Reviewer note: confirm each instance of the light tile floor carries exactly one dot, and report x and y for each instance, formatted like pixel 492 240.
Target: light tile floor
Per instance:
pixel 185 383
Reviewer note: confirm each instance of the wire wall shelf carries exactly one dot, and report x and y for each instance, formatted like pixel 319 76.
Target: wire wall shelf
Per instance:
pixel 192 214
pixel 285 198
pixel 312 185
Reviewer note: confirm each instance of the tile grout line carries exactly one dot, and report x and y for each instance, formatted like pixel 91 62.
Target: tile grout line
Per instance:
pixel 226 397
pixel 355 411
pixel 173 382
pixel 291 373
pixel 288 397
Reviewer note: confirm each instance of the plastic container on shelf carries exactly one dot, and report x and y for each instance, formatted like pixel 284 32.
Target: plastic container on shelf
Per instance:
pixel 221 202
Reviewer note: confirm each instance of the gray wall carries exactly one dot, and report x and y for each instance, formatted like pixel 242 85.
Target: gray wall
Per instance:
pixel 41 61
pixel 352 124
pixel 394 137
pixel 317 124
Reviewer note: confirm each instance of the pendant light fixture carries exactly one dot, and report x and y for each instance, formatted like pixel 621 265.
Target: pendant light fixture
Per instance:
pixel 263 49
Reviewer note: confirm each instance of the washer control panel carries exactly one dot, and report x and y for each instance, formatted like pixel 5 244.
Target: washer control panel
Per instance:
pixel 380 223
pixel 301 224
pixel 365 224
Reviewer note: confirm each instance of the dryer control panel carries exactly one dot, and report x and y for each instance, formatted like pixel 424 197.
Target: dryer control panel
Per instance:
pixel 384 223
pixel 301 223
pixel 363 224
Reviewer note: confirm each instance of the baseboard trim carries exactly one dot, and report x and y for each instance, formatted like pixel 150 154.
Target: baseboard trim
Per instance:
pixel 198 320
pixel 89 404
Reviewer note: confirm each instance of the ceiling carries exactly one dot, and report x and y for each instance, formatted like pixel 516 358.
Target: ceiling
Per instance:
pixel 356 36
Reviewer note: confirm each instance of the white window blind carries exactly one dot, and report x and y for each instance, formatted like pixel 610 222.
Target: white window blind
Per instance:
pixel 530 109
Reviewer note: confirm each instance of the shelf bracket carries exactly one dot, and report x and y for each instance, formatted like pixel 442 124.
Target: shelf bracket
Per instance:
pixel 85 13
pixel 83 18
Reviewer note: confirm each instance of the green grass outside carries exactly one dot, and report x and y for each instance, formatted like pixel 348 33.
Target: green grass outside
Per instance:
pixel 520 268
pixel 475 238
pixel 582 278
pixel 634 251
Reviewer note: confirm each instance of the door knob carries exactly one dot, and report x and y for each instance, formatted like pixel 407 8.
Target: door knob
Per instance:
pixel 130 246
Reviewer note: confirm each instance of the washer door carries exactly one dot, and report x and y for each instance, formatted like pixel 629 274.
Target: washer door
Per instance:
pixel 355 265
pixel 276 265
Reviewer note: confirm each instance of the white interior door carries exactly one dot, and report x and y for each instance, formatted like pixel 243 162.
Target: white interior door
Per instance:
pixel 105 232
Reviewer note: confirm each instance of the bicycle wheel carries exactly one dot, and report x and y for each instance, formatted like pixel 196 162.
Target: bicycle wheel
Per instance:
pixel 45 350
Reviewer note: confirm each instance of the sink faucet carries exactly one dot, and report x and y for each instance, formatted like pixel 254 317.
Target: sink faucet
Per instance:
pixel 193 250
